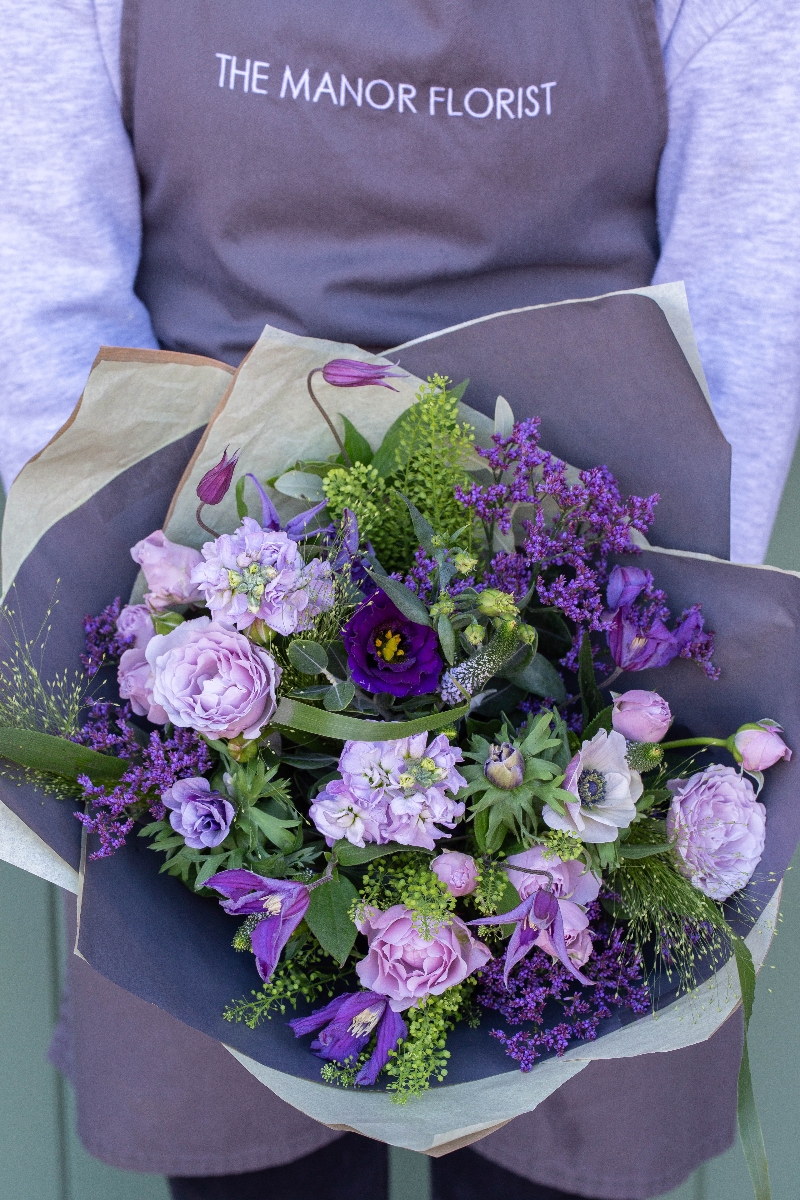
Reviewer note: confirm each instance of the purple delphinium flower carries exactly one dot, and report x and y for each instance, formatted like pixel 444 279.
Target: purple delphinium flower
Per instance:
pixel 388 653
pixel 346 1026
pixel 259 574
pixel 203 817
pixel 350 372
pixel 616 975
pixel 280 903
pixel 635 628
pixel 164 760
pixel 213 487
pixel 105 642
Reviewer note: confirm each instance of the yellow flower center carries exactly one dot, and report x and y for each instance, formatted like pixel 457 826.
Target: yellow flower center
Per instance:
pixel 389 645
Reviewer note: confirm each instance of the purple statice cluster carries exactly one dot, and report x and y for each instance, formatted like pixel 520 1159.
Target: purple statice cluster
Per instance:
pixel 532 705
pixel 104 642
pixel 575 525
pixel 161 763
pixel 392 792
pixel 420 578
pixel 615 969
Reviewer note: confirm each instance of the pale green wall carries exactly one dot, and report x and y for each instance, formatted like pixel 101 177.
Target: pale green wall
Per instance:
pixel 41 1159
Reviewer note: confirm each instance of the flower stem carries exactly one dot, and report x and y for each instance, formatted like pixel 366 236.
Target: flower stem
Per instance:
pixel 329 422
pixel 202 523
pixel 698 741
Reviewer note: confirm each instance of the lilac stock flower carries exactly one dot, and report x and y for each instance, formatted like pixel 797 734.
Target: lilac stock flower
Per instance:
pixel 406 967
pixel 203 817
pixel 135 621
pixel 717 828
pixel 280 903
pixel 346 1026
pixel 213 487
pixel 760 745
pixel 135 680
pixel 350 372
pixel 457 871
pixel 386 652
pixel 213 680
pixel 259 574
pixel 638 637
pixel 605 789
pixel 392 792
pixel 168 570
pixel 641 716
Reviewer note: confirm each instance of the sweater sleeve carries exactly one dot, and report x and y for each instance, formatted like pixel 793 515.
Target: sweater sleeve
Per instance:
pixel 729 221
pixel 70 235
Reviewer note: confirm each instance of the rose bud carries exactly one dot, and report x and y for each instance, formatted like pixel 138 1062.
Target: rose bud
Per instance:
pixel 349 372
pixel 641 716
pixel 457 871
pixel 758 746
pixel 215 483
pixel 505 767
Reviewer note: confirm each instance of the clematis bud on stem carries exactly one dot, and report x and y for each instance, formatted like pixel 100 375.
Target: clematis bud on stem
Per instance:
pixel 214 485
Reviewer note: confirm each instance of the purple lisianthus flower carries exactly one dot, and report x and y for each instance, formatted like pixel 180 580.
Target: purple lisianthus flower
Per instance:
pixel 350 372
pixel 135 621
pixel 168 570
pixel 349 1022
pixel 203 817
pixel 717 828
pixel 281 903
pixel 213 487
pixel 259 574
pixel 388 653
pixel 213 680
pixel 605 788
pixel 407 967
pixel 392 791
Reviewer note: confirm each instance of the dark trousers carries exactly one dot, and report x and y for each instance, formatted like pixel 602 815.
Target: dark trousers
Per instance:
pixel 356 1168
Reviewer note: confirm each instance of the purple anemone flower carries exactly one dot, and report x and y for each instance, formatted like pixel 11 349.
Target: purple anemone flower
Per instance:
pixel 539 914
pixel 349 372
pixel 349 1022
pixel 281 903
pixel 388 653
pixel 215 483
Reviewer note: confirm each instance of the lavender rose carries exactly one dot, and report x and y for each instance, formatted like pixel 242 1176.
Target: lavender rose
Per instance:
pixel 717 828
pixel 406 967
pixel 388 653
pixel 457 871
pixel 135 621
pixel 213 680
pixel 760 746
pixel 203 817
pixel 135 679
pixel 167 568
pixel 641 716
pixel 259 574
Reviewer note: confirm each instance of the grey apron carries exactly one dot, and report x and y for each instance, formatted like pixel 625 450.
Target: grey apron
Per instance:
pixel 371 173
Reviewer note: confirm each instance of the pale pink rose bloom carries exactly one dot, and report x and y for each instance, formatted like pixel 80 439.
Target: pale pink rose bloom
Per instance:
pixel 457 871
pixel 406 967
pixel 761 747
pixel 641 716
pixel 571 880
pixel 135 621
pixel 168 569
pixel 576 934
pixel 135 679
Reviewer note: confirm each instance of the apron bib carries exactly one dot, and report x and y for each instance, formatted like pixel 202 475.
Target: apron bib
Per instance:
pixel 371 173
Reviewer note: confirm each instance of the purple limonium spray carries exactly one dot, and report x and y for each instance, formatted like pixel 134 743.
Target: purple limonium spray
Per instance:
pixel 104 640
pixel 280 903
pixel 346 1026
pixel 214 485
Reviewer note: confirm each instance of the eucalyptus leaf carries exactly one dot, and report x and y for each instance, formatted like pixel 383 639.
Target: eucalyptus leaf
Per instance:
pixel 301 485
pixel 349 855
pixel 307 657
pixel 339 695
pixel 355 444
pixel 403 598
pixel 328 917
pixel 503 417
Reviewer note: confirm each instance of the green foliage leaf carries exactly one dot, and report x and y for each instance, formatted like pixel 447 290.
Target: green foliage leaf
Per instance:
pixel 422 528
pixel 209 867
pixel 44 752
pixel 457 391
pixel 356 445
pixel 592 702
pixel 353 856
pixel 447 638
pixel 275 829
pixel 307 657
pixel 403 598
pixel 385 460
pixel 301 485
pixel 601 721
pixel 540 678
pixel 242 510
pixel 642 850
pixel 165 622
pixel 328 917
pixel 339 695
pixel 294 715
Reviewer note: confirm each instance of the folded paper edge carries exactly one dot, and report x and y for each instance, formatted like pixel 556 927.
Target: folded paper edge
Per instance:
pixel 23 848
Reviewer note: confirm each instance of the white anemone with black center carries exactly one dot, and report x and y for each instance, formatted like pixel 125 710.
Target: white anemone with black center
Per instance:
pixel 605 789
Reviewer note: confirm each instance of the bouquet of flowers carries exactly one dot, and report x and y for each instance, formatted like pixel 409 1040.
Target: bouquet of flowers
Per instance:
pixel 371 728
